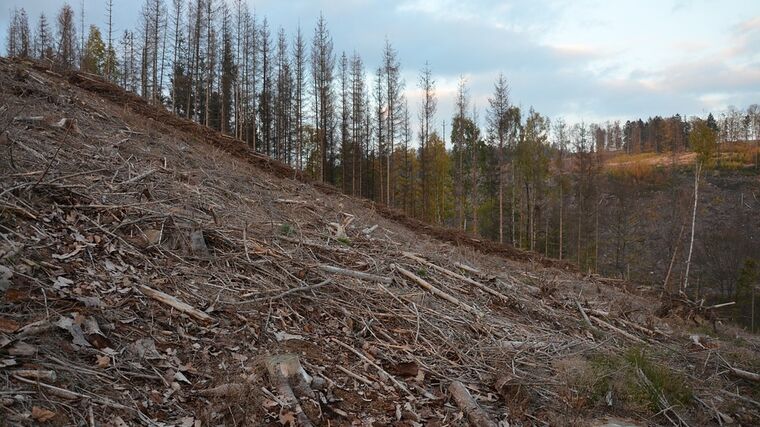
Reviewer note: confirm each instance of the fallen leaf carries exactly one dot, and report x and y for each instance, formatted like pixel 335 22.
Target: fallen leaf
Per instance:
pixel 145 349
pixel 42 415
pixel 5 278
pixel 404 369
pixel 8 326
pixel 287 418
pixel 118 422
pixel 70 254
pixel 74 329
pixel 284 336
pixel 61 282
pixel 22 349
pixel 102 361
pixel 92 302
pixel 179 376
pixel 5 362
pixel 93 334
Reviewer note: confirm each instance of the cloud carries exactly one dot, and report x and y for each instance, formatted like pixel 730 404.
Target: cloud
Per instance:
pixel 589 59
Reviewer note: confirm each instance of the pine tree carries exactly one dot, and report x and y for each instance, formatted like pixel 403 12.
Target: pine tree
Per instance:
pixel 267 95
pixel 358 108
pixel 110 60
pixel 394 87
pixel 380 127
pixel 228 74
pixel 43 40
pixel 499 127
pixel 94 55
pixel 426 117
pixel 66 37
pixel 299 91
pixel 19 36
pixel 323 66
pixel 283 99
pixel 24 34
pixel 345 113
pixel 458 129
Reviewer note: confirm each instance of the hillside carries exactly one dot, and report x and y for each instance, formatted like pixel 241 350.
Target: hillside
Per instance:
pixel 646 202
pixel 155 272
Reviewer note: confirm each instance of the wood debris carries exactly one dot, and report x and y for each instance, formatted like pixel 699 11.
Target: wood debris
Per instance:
pixel 156 272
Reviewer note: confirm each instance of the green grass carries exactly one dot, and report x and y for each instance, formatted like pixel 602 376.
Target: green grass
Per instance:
pixel 618 375
pixel 286 229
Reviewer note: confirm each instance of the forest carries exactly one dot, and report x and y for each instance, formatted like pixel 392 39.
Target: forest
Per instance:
pixel 616 198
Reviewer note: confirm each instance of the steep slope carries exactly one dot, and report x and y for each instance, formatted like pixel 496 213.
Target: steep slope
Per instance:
pixel 156 272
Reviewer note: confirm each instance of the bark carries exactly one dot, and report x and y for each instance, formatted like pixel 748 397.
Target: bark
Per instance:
pixel 475 414
pixel 697 170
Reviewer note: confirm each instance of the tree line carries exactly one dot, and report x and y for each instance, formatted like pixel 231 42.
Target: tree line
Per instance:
pixel 513 176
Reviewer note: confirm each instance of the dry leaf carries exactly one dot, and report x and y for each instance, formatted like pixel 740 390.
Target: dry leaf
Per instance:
pixel 42 415
pixel 8 326
pixel 287 418
pixel 103 361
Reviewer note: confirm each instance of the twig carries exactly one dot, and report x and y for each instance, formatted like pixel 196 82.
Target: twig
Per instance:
pixel 438 292
pixel 458 276
pixel 175 303
pixel 356 274
pixel 393 379
pixel 467 404
pixel 50 163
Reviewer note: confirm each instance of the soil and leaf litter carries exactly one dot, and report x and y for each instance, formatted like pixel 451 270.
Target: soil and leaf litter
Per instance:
pixel 156 272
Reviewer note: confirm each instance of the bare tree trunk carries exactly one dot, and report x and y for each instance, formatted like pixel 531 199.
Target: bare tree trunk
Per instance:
pixel 693 222
pixel 561 217
pixel 512 207
pixel 501 199
pixel 474 178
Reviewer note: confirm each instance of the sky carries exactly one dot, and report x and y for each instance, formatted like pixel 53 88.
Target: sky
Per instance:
pixel 583 60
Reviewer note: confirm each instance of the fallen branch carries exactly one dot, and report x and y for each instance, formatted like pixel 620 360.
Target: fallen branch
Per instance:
pixel 467 404
pixel 725 304
pixel 175 303
pixel 437 292
pixel 468 269
pixel 139 177
pixel 356 274
pixel 746 375
pixel 618 330
pixel 458 276
pixel 294 290
pixel 316 245
pixel 55 391
pixel 583 313
pixel 393 379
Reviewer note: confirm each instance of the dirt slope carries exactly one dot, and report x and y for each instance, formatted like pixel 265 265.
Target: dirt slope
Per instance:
pixel 152 270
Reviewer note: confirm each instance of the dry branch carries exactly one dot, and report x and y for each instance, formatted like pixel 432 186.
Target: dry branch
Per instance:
pixel 356 274
pixel 618 330
pixel 467 404
pixel 175 303
pixel 437 292
pixel 393 379
pixel 457 276
pixel 746 375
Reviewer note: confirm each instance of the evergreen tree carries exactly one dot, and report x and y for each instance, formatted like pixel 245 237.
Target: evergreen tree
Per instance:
pixel 43 40
pixel 94 55
pixel 322 70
